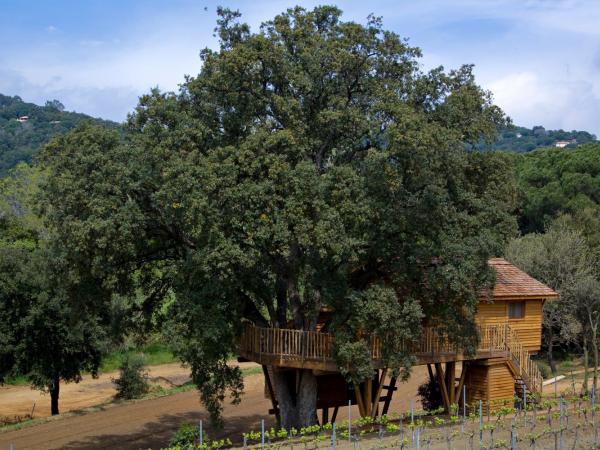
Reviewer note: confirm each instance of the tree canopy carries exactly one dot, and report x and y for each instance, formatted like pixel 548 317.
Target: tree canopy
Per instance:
pixel 555 181
pixel 45 335
pixel 309 164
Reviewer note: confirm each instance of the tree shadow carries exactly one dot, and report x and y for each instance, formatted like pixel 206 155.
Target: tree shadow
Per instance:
pixel 156 434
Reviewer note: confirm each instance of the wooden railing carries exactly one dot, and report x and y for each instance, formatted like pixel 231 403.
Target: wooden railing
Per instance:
pixel 521 360
pixel 290 345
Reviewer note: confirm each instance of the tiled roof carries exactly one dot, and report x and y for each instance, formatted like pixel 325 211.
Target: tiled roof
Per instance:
pixel 512 282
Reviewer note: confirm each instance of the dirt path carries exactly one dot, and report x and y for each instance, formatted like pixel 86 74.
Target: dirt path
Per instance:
pixel 19 400
pixel 149 424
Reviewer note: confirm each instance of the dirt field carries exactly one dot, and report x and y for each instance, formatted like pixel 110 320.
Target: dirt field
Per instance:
pixel 19 400
pixel 145 424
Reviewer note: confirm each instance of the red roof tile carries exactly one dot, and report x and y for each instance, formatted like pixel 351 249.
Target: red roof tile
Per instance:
pixel 512 282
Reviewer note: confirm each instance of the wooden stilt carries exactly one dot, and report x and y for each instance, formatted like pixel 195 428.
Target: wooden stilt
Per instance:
pixel 451 381
pixel 378 394
pixel 461 382
pixel 359 401
pixel 429 369
pixel 325 416
pixel 388 399
pixel 442 381
pixel 271 394
pixel 368 396
pixel 334 416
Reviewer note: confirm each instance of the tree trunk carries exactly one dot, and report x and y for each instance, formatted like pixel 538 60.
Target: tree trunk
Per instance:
pixel 551 363
pixel 296 392
pixel 586 374
pixel 595 349
pixel 54 392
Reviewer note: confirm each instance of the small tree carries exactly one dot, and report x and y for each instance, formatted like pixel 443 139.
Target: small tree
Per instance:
pixel 133 378
pixel 44 334
pixel 586 300
pixel 559 258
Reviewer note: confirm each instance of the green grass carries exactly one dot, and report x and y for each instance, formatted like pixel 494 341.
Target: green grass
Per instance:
pixel 154 354
pixel 19 380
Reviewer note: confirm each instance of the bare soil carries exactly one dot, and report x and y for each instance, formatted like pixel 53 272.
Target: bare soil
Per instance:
pixel 146 424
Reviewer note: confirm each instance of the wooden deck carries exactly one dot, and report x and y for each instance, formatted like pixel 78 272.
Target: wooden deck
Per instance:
pixel 314 350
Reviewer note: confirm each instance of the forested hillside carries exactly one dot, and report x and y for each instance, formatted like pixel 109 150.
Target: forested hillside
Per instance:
pixel 555 181
pixel 521 139
pixel 21 139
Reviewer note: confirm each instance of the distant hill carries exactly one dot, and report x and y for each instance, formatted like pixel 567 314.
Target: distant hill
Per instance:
pixel 522 140
pixel 25 127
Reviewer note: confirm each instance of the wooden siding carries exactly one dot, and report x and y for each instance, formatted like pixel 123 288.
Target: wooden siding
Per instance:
pixel 490 381
pixel 502 383
pixel 476 383
pixel 528 329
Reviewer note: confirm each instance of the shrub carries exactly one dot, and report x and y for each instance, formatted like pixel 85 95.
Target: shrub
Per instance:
pixel 431 395
pixel 133 378
pixel 187 435
pixel 544 369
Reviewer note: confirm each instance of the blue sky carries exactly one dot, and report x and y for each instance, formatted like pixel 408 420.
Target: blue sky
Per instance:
pixel 540 58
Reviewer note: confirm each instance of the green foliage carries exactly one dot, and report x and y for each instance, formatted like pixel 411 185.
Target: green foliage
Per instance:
pixel 562 258
pixel 556 181
pixel 153 354
pixel 522 140
pixel 19 142
pixel 186 435
pixel 133 378
pixel 309 164
pixel 45 336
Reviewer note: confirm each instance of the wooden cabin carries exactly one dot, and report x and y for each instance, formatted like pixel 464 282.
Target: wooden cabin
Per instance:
pixel 510 327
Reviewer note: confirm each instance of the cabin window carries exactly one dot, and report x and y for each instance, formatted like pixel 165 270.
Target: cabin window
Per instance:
pixel 516 310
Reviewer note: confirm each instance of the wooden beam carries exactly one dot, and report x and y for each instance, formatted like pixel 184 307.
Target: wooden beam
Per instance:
pixel 271 394
pixel 451 381
pixel 442 381
pixel 334 416
pixel 325 416
pixel 368 395
pixel 461 382
pixel 378 394
pixel 359 401
pixel 430 370
pixel 388 399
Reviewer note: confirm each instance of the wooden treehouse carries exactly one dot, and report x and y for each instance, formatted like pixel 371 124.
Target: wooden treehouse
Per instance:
pixel 510 330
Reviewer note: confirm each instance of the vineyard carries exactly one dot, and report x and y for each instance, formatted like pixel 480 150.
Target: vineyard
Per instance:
pixel 560 423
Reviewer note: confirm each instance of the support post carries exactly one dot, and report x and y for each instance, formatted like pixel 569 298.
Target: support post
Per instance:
pixel 271 394
pixel 451 382
pixel 461 381
pixel 375 405
pixel 325 416
pixel 359 400
pixel 368 395
pixel 388 399
pixel 442 381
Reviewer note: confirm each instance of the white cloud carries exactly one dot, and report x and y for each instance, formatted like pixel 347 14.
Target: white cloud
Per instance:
pixel 531 99
pixel 51 29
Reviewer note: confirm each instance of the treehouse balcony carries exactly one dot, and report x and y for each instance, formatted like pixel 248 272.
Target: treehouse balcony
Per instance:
pixel 314 350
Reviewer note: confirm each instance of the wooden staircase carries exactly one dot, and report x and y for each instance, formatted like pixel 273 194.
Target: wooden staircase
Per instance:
pixel 526 372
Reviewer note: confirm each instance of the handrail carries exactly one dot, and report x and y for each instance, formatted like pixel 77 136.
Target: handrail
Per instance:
pixel 289 344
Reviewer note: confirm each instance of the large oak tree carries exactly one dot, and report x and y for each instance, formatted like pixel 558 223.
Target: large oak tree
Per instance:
pixel 309 164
